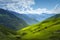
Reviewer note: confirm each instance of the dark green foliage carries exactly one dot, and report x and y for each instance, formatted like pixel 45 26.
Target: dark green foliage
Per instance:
pixel 55 36
pixel 6 33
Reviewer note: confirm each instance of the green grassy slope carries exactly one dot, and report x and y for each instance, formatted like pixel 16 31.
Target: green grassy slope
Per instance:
pixel 9 24
pixel 46 30
pixel 7 34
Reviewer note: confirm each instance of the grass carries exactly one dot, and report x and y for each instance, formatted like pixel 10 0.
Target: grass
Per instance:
pixel 46 30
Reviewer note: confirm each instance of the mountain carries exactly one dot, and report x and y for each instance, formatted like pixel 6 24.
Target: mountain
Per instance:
pixel 9 24
pixel 39 17
pixel 48 29
pixel 42 29
pixel 26 18
pixel 17 21
pixel 33 18
pixel 8 19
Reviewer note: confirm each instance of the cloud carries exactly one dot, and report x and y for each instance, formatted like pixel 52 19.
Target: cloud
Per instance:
pixel 56 9
pixel 24 7
pixel 37 11
pixel 17 5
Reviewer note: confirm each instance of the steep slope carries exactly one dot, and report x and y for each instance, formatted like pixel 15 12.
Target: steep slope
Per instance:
pixel 27 19
pixel 33 18
pixel 8 19
pixel 46 30
pixel 6 33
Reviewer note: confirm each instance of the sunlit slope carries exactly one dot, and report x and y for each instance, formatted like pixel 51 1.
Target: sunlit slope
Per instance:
pixel 46 30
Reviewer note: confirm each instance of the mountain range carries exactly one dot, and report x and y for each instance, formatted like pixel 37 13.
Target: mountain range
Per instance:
pixel 16 26
pixel 17 21
pixel 9 20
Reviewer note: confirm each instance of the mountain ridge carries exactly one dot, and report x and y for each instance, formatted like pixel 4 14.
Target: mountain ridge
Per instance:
pixel 10 20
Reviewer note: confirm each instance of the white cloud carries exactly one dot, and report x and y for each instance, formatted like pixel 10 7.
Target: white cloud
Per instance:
pixel 24 7
pixel 57 8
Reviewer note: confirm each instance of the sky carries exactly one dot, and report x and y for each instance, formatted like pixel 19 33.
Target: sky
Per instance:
pixel 31 6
